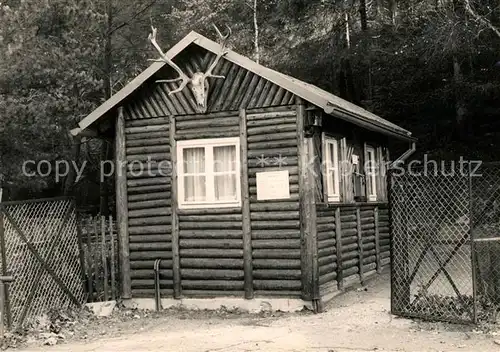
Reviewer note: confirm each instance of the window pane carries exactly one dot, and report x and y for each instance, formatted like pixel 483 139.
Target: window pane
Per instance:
pixel 335 180
pixel 371 173
pixel 333 169
pixel 225 187
pixel 331 151
pixel 193 160
pixel 370 185
pixel 371 161
pixel 225 158
pixel 195 189
pixel 332 175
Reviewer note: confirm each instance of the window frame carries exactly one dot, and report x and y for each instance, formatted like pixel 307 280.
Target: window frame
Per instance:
pixel 332 197
pixel 208 145
pixel 371 177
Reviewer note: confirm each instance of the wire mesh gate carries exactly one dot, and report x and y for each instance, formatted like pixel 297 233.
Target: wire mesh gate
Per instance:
pixel 445 229
pixel 39 247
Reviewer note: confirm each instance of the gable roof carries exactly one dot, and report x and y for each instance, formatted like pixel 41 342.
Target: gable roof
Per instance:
pixel 330 103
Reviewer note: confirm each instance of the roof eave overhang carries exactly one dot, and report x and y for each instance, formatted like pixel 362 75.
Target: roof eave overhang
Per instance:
pixel 367 124
pixel 118 97
pixel 194 37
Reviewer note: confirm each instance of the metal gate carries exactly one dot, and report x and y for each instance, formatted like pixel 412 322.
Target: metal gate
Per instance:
pixel 39 247
pixel 445 230
pixel 485 232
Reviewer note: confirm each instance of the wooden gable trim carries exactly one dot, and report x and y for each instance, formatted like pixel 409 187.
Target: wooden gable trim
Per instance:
pixel 330 103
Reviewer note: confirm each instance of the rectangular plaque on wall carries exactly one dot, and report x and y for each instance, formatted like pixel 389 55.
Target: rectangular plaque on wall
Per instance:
pixel 273 185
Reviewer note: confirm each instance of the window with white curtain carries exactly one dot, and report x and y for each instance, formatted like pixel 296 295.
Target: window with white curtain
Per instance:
pixel 331 154
pixel 209 173
pixel 371 174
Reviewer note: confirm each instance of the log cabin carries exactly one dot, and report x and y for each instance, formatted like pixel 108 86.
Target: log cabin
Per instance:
pixel 237 183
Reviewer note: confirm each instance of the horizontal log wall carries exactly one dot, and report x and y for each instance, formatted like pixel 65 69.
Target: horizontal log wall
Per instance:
pixel 385 237
pixel 210 240
pixel 368 242
pixel 349 241
pixel 275 225
pixel 327 250
pixel 363 249
pixel 211 252
pixel 201 126
pixel 149 211
pixel 209 246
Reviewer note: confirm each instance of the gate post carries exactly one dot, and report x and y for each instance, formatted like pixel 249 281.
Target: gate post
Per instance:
pixel 472 246
pixel 400 287
pixel 121 204
pixel 6 317
pixel 4 304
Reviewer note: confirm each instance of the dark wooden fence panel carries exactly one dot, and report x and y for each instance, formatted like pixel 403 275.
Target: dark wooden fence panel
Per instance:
pixel 275 225
pixel 40 249
pixel 100 250
pixel 149 205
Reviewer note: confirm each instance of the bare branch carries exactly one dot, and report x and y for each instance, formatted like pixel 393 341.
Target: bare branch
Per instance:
pixel 480 18
pixel 249 4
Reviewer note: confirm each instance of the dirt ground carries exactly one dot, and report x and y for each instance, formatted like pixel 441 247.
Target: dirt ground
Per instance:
pixel 356 321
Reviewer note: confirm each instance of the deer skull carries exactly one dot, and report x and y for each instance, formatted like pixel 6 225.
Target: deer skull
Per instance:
pixel 198 83
pixel 199 87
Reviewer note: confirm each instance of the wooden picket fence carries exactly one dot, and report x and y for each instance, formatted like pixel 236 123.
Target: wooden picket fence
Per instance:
pixel 100 248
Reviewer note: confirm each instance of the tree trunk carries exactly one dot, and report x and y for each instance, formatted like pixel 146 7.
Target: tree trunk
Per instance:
pixel 103 182
pixel 347 31
pixel 75 155
pixel 108 59
pixel 256 32
pixel 393 7
pixel 346 79
pixel 108 68
pixel 460 104
pixel 363 16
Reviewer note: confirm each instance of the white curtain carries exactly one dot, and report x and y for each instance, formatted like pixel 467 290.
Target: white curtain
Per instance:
pixel 371 173
pixel 194 175
pixel 225 173
pixel 333 169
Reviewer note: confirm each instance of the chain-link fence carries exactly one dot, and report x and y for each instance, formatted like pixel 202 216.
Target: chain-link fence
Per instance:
pixel 485 215
pixel 40 249
pixel 445 224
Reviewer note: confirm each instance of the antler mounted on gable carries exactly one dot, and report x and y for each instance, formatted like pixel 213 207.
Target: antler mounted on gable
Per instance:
pixel 198 82
pixel 164 58
pixel 224 38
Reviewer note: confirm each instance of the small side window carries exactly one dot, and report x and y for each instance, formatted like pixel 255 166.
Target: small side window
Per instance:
pixel 331 152
pixel 371 174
